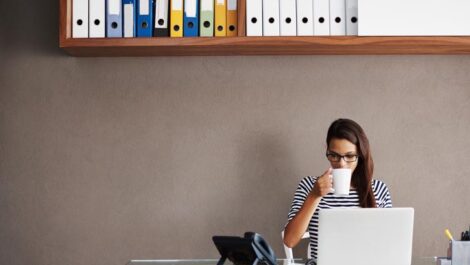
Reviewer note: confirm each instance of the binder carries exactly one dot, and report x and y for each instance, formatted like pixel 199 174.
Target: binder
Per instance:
pixel 288 17
pixel 254 17
pixel 80 19
pixel 161 19
pixel 271 26
pixel 176 18
pixel 351 17
pixel 220 18
pixel 232 18
pixel 96 22
pixel 144 18
pixel 129 18
pixel 191 18
pixel 321 17
pixel 337 17
pixel 305 17
pixel 114 19
pixel 207 18
pixel 419 18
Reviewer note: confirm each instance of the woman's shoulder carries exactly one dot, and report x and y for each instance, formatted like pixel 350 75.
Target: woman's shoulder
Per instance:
pixel 378 185
pixel 382 194
pixel 308 182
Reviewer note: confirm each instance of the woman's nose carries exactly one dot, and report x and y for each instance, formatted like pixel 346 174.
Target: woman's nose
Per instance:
pixel 342 163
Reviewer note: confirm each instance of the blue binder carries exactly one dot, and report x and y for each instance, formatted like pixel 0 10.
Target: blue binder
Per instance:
pixel 144 18
pixel 129 19
pixel 114 18
pixel 191 18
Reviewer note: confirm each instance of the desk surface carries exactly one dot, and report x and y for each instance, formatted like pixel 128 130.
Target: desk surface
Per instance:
pixel 415 261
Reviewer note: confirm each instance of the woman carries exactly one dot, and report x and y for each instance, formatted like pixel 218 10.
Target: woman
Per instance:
pixel 347 147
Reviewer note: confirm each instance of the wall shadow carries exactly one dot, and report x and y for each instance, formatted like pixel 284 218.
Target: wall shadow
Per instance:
pixel 31 26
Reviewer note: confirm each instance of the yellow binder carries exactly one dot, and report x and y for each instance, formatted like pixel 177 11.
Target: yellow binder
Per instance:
pixel 176 18
pixel 220 18
pixel 232 18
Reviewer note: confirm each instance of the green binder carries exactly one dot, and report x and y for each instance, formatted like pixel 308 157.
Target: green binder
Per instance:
pixel 206 16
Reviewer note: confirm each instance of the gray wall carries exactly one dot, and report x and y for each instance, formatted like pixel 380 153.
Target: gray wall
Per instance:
pixel 103 160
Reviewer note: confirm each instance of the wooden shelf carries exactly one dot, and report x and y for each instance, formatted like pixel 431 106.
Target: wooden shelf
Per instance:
pixel 242 45
pixel 266 46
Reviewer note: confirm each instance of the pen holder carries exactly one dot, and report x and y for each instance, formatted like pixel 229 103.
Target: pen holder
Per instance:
pixel 460 252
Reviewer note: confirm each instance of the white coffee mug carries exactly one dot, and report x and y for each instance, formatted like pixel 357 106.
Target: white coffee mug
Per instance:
pixel 341 180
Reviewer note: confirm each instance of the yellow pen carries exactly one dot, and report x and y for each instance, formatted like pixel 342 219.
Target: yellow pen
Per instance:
pixel 449 235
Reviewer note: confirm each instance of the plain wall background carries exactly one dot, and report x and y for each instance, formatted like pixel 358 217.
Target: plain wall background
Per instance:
pixel 103 160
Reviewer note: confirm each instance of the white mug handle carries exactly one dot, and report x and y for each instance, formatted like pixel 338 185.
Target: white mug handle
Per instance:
pixel 331 178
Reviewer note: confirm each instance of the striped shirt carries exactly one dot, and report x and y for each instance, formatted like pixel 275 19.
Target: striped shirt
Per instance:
pixel 382 197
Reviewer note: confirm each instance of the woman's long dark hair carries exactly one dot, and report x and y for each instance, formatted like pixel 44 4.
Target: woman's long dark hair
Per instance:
pixel 362 176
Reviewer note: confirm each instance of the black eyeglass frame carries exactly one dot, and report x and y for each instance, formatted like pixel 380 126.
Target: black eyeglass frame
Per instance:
pixel 339 157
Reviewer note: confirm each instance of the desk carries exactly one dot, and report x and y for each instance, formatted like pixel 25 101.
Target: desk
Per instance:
pixel 415 261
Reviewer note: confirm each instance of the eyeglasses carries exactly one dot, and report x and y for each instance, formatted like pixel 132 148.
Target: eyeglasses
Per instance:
pixel 348 158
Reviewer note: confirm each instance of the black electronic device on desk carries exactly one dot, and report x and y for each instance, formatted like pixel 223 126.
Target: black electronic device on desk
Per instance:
pixel 248 250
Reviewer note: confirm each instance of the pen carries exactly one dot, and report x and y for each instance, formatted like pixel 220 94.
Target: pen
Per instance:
pixel 449 235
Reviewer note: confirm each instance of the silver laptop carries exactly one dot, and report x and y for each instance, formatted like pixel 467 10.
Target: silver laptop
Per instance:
pixel 365 236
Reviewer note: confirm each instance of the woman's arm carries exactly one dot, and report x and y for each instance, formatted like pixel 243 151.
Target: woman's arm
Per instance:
pixel 299 224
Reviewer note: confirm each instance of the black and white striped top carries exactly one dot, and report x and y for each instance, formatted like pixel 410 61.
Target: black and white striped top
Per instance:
pixel 382 197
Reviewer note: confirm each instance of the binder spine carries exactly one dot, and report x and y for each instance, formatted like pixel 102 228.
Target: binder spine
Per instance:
pixel 114 19
pixel 144 18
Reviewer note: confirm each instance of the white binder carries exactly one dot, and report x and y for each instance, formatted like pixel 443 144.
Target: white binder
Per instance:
pixel 254 17
pixel 80 19
pixel 321 17
pixel 351 17
pixel 161 18
pixel 271 18
pixel 97 22
pixel 414 18
pixel 305 17
pixel 129 19
pixel 337 17
pixel 287 11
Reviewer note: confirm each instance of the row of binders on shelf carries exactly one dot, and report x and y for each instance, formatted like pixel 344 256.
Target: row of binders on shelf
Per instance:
pixel 191 18
pixel 154 18
pixel 301 17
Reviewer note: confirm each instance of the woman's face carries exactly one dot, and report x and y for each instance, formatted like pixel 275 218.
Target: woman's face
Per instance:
pixel 340 152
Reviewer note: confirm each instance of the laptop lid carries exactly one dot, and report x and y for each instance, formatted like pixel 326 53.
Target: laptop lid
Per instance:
pixel 365 236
